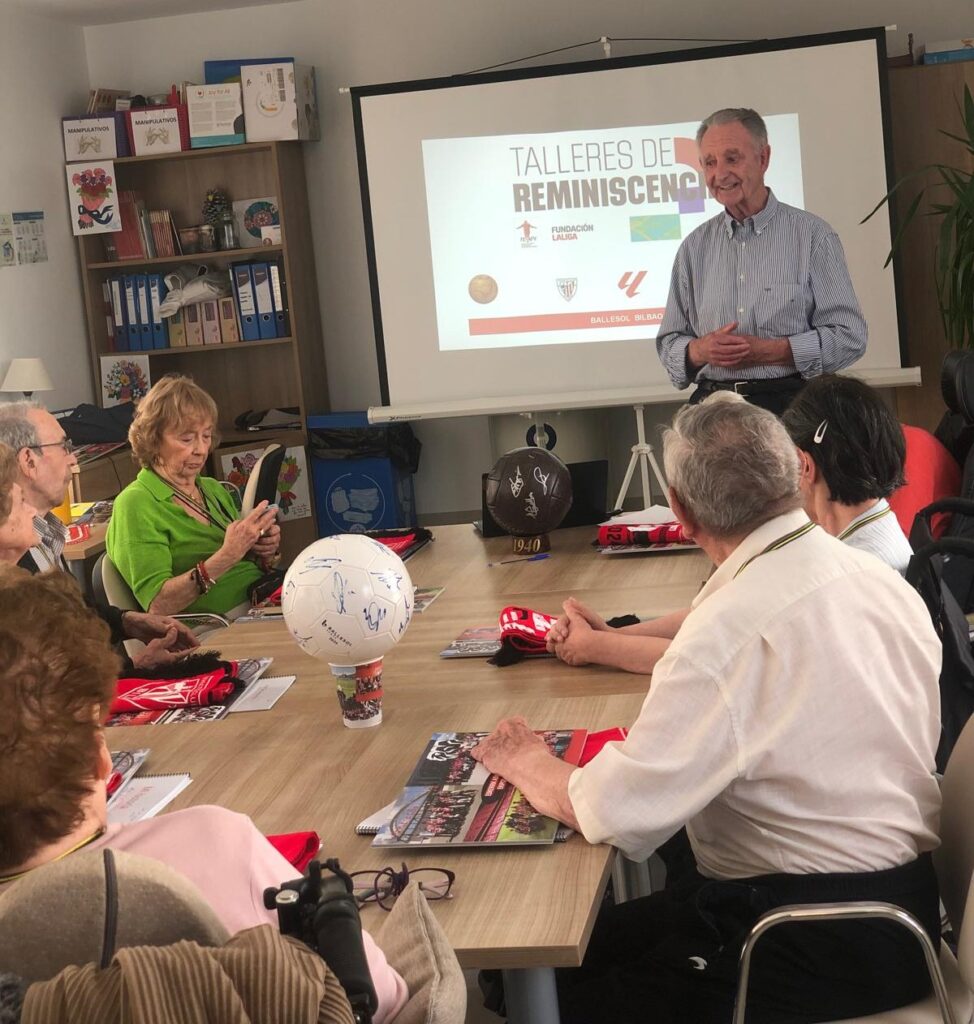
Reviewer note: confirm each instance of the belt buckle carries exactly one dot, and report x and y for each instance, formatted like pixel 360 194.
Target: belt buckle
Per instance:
pixel 738 384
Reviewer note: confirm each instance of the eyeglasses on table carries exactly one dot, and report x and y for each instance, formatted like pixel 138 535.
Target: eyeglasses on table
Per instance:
pixel 384 885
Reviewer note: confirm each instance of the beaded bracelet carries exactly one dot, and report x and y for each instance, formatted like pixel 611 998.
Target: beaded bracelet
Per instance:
pixel 201 578
pixel 204 575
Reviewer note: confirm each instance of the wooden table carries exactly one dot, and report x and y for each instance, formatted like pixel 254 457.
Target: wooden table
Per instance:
pixel 296 767
pixel 81 555
pixel 90 547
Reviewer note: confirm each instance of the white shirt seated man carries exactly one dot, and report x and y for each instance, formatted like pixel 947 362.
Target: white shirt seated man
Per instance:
pixel 791 726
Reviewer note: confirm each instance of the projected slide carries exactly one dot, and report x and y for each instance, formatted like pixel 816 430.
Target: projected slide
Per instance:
pixel 569 237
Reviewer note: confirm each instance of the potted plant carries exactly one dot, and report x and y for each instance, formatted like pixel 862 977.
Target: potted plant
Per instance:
pixel 954 265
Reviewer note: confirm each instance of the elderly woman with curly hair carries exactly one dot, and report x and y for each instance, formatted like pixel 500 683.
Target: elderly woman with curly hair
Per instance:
pixel 16 516
pixel 57 676
pixel 174 535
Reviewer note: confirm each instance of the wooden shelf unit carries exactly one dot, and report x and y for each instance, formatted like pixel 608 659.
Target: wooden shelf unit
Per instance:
pixel 250 374
pixel 245 375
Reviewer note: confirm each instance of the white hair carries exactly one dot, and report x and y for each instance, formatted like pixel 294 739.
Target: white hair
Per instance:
pixel 732 465
pixel 750 119
pixel 16 428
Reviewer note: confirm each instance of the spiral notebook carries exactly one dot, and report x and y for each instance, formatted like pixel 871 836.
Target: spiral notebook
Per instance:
pixel 145 796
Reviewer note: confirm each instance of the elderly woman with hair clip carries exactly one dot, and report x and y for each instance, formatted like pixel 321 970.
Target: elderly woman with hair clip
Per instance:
pixel 852 452
pixel 174 535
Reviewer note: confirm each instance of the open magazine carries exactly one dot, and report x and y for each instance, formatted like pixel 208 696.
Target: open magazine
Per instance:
pixel 452 800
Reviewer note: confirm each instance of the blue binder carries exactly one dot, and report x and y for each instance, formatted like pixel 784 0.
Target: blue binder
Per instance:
pixel 160 329
pixel 243 290
pixel 281 318
pixel 263 300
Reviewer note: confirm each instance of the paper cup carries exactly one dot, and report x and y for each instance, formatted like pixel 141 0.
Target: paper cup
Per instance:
pixel 359 693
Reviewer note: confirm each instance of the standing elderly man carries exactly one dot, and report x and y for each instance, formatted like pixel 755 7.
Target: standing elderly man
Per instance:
pixel 760 297
pixel 791 726
pixel 45 459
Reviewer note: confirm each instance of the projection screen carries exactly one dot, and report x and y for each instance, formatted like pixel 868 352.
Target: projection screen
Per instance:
pixel 521 227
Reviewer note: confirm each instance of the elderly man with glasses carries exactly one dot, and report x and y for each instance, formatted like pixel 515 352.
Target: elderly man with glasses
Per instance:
pixel 791 726
pixel 45 458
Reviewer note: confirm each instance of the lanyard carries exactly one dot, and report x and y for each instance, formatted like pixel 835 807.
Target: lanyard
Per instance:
pixel 203 509
pixel 780 542
pixel 871 518
pixel 60 856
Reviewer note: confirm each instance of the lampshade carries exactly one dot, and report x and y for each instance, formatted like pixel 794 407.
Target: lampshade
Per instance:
pixel 28 376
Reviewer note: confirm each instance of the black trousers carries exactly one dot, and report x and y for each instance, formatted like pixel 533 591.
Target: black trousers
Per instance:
pixel 672 958
pixel 776 399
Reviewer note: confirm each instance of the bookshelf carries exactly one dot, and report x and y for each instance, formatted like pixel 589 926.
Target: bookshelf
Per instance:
pixel 243 375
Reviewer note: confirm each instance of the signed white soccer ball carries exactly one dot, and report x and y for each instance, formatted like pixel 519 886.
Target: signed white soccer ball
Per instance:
pixel 347 599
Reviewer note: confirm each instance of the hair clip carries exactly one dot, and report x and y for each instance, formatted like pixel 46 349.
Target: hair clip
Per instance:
pixel 820 431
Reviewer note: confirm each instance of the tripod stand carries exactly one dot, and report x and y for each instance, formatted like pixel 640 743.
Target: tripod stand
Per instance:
pixel 643 456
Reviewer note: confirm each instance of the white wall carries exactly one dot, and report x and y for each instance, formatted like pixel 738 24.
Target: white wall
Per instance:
pixel 360 42
pixel 41 312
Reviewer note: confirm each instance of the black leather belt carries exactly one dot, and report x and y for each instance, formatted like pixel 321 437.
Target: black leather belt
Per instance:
pixel 754 387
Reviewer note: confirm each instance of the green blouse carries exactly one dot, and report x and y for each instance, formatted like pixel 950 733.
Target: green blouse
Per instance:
pixel 151 539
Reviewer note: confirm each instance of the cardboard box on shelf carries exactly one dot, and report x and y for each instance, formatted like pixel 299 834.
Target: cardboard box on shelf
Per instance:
pixel 94 138
pixel 279 101
pixel 215 115
pixel 154 130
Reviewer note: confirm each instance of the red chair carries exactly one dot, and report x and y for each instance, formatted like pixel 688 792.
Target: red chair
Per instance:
pixel 931 473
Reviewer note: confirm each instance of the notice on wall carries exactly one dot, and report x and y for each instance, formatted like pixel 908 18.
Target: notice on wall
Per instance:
pixel 29 238
pixel 8 251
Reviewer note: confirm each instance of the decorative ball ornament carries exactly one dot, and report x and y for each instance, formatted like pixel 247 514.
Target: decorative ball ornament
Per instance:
pixel 529 491
pixel 347 599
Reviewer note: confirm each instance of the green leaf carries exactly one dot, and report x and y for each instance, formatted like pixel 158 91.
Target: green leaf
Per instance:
pixel 949 196
pixel 910 213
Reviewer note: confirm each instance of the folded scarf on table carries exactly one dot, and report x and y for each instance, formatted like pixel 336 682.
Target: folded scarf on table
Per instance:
pixel 190 682
pixel 524 633
pixel 641 536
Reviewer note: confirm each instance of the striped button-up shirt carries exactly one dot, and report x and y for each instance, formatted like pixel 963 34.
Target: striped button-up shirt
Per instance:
pixel 52 535
pixel 779 274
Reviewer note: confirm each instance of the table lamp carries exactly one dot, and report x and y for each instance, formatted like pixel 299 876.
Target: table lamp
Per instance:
pixel 28 376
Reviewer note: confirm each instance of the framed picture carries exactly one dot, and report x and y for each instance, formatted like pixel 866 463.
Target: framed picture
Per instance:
pixel 252 215
pixel 124 378
pixel 94 204
pixel 293 491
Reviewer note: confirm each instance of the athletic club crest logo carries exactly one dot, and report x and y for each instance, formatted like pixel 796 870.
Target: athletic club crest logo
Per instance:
pixel 567 286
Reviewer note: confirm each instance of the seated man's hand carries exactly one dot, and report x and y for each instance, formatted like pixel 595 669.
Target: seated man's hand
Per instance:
pixel 575 648
pixel 163 650
pixel 168 633
pixel 509 749
pixel 558 633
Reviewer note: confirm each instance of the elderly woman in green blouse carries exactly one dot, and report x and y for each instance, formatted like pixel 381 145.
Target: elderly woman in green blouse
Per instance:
pixel 174 535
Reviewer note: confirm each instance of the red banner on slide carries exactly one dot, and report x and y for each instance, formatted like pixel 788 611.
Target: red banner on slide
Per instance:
pixel 565 321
